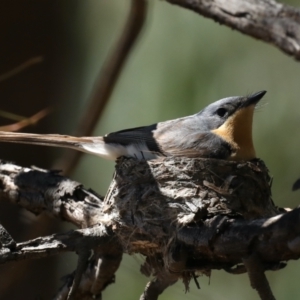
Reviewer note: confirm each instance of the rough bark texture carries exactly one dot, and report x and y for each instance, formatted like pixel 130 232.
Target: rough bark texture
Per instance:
pixel 187 216
pixel 39 191
pixel 266 20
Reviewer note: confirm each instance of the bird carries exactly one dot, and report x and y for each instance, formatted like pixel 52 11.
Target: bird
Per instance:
pixel 222 130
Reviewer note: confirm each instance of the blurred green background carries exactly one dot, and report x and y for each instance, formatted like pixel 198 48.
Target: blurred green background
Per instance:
pixel 181 63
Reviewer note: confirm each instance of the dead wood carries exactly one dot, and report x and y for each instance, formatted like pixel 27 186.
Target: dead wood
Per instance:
pixel 187 216
pixel 270 21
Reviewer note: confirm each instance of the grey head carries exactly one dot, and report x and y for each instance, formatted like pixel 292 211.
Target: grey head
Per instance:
pixel 215 114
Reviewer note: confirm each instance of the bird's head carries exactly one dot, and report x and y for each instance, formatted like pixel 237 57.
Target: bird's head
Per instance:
pixel 231 119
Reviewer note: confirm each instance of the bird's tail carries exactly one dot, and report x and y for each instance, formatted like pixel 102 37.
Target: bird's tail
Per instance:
pixel 93 145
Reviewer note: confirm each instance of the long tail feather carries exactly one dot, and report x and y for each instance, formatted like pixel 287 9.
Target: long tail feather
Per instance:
pixel 94 145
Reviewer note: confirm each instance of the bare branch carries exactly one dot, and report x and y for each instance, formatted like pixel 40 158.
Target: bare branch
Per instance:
pixel 99 273
pixel 187 216
pixel 267 20
pixel 42 191
pixel 82 263
pixel 27 64
pixel 271 238
pixel 107 80
pixel 99 268
pixel 163 277
pixel 156 286
pixel 24 121
pixel 257 277
pixel 54 244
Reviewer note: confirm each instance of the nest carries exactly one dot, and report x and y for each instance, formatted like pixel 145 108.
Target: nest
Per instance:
pixel 149 201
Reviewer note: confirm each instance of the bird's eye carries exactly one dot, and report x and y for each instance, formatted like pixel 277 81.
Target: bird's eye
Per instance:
pixel 221 112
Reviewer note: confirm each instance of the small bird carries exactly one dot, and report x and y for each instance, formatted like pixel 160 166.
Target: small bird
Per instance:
pixel 222 130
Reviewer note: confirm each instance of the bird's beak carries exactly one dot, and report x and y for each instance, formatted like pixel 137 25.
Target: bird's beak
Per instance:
pixel 253 99
pixel 237 129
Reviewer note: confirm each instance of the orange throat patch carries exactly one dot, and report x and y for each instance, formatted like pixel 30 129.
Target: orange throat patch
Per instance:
pixel 237 131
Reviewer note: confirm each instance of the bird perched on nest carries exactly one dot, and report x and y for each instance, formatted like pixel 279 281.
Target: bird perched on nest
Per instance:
pixel 222 130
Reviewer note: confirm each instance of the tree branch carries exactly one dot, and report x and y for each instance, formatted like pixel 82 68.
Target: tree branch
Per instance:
pixel 41 191
pixel 267 20
pixel 54 244
pixel 185 215
pixel 257 277
pixel 107 79
pixel 99 273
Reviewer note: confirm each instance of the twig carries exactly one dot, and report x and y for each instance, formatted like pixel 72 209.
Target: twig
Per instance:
pixel 22 67
pixel 257 277
pixel 106 81
pixel 108 262
pixel 26 121
pixel 155 287
pixel 11 277
pixel 58 243
pixel 164 278
pixel 82 263
pixel 99 274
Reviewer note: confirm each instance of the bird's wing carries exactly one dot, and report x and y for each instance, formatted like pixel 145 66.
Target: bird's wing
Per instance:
pixel 193 145
pixel 140 137
pixel 180 137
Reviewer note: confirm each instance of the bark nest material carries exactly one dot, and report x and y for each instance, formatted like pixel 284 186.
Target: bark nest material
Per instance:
pixel 148 202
